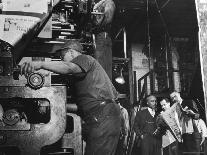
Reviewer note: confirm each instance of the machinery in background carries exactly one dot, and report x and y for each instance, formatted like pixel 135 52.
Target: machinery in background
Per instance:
pixel 34 117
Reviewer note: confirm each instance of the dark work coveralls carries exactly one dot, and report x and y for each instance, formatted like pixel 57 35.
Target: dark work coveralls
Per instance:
pixel 145 125
pixel 94 95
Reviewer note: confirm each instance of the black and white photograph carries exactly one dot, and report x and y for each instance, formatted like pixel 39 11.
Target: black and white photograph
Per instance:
pixel 103 77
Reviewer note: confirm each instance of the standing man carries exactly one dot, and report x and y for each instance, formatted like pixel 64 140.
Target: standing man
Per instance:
pixel 145 126
pixel 187 112
pixel 94 94
pixel 169 143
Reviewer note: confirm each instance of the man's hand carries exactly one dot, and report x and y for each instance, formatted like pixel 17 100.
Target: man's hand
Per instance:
pixel 29 67
pixel 188 111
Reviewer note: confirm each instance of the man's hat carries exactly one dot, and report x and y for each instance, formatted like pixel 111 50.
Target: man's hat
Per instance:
pixel 72 44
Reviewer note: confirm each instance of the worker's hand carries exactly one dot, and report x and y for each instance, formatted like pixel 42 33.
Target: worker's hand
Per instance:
pixel 29 67
pixel 189 111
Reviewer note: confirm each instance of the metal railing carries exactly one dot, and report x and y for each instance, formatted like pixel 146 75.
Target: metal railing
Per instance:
pixel 146 85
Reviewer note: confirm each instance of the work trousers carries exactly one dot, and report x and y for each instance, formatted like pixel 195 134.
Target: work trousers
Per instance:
pixel 121 148
pixel 151 145
pixel 103 134
pixel 191 143
pixel 172 149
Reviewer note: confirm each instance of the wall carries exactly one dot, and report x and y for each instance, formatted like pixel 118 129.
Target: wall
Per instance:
pixel 140 62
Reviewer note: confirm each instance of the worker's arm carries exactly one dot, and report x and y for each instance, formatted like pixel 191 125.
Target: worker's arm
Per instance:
pixel 191 110
pixel 59 67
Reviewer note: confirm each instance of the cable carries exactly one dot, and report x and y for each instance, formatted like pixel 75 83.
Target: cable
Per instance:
pixel 165 4
pixel 148 33
pixel 199 103
pixel 162 19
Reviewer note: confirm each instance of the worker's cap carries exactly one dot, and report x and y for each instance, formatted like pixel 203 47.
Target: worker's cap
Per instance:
pixel 71 44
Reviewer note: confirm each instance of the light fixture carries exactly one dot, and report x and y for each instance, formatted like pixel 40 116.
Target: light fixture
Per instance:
pixel 120 79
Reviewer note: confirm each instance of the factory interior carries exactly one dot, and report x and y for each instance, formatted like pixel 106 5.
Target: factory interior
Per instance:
pixel 155 47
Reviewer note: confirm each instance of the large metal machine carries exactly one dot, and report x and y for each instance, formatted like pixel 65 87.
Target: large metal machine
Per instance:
pixel 33 115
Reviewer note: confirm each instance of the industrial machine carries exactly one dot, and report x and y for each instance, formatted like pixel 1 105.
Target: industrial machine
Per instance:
pixel 35 116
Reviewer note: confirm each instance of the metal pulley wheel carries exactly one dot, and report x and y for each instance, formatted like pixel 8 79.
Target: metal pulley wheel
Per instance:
pixel 11 117
pixel 35 80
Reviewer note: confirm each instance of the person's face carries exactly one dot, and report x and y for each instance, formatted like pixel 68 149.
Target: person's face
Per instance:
pixel 67 54
pixel 152 102
pixel 165 105
pixel 175 97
